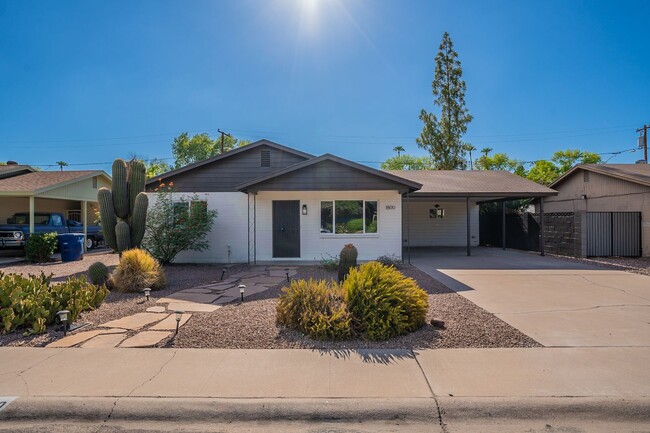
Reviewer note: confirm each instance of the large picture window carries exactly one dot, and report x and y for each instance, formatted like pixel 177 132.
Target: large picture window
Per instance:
pixel 348 216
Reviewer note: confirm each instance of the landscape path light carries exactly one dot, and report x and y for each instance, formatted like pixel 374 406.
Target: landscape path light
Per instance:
pixel 147 293
pixel 179 316
pixel 242 288
pixel 63 318
pixel 287 272
pixel 223 273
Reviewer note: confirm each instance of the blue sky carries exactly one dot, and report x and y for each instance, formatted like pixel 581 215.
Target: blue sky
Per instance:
pixel 89 81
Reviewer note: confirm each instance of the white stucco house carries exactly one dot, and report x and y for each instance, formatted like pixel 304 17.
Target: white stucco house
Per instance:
pixel 276 203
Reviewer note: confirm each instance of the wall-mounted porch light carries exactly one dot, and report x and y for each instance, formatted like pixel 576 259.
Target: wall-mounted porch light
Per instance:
pixel 304 209
pixel 584 196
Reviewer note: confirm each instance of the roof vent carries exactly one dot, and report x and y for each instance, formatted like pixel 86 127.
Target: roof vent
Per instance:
pixel 641 161
pixel 266 158
pixel 12 163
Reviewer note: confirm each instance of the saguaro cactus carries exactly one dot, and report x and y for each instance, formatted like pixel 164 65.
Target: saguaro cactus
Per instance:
pixel 347 260
pixel 123 209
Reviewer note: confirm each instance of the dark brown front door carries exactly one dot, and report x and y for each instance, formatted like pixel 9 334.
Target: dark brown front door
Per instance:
pixel 286 228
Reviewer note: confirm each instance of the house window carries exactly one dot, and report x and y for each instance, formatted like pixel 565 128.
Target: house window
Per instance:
pixel 348 216
pixel 265 158
pixel 436 213
pixel 183 209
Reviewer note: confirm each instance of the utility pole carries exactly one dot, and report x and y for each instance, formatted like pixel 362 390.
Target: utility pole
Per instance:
pixel 223 134
pixel 645 141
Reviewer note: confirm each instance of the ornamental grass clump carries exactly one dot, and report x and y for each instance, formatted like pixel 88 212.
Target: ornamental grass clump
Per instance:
pixel 376 302
pixel 384 302
pixel 315 308
pixel 137 270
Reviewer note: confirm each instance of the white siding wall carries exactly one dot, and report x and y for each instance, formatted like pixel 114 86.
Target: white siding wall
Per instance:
pixel 230 228
pixel 450 231
pixel 313 244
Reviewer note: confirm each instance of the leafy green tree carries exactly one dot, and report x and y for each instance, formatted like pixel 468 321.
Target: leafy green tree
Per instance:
pixel 498 161
pixel 543 172
pixel 187 150
pixel 566 159
pixel 441 137
pixel 176 224
pixel 155 167
pixel 408 162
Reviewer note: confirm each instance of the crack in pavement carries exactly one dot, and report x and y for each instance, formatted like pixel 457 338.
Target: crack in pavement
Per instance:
pixel 101 426
pixel 22 372
pixel 584 277
pixel 573 309
pixel 155 375
pixel 441 422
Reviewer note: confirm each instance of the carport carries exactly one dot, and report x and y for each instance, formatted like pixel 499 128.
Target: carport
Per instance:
pixel 71 193
pixel 444 212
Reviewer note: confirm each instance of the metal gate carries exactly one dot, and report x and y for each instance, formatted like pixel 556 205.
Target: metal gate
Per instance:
pixel 614 234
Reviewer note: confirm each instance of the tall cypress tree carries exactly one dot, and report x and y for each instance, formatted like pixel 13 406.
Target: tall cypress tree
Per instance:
pixel 442 137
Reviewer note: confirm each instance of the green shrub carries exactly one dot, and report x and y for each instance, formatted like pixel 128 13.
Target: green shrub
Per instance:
pixel 137 270
pixel 32 302
pixel 384 302
pixel 98 273
pixel 315 308
pixel 329 262
pixel 40 247
pixel 390 260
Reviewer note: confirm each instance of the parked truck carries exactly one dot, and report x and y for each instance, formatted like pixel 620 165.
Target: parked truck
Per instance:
pixel 15 233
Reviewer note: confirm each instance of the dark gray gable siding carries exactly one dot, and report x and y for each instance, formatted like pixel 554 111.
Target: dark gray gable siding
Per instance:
pixel 224 174
pixel 327 176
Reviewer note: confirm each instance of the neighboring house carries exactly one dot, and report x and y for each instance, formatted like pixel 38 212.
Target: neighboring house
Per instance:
pixel 614 202
pixel 71 193
pixel 278 203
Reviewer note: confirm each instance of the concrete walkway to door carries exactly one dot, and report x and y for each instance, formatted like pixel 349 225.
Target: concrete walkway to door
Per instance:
pixel 557 302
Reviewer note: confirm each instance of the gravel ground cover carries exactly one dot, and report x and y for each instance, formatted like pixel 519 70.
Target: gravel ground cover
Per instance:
pixel 637 265
pixel 251 325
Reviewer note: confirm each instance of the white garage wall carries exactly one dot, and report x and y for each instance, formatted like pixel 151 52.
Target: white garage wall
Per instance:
pixel 229 230
pixel 313 244
pixel 450 231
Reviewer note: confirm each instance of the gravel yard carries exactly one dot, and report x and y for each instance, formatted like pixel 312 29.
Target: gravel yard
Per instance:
pixel 637 265
pixel 252 324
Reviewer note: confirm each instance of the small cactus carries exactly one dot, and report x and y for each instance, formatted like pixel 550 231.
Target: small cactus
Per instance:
pixel 347 261
pixel 98 274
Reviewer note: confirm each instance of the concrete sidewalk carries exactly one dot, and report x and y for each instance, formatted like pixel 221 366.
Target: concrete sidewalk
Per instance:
pixel 436 388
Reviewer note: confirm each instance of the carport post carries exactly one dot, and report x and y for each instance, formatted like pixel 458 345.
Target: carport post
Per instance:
pixel 408 226
pixel 469 252
pixel 541 226
pixel 503 225
pixel 84 220
pixel 31 214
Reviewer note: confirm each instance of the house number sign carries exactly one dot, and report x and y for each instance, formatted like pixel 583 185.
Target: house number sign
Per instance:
pixel 390 207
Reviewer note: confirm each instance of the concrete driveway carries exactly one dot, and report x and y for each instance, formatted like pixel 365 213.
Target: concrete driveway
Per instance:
pixel 557 302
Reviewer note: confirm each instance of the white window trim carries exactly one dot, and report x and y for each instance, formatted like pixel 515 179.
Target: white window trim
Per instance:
pixel 350 235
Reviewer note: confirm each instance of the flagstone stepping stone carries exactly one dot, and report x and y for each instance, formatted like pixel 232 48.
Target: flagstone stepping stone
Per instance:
pixel 282 273
pixel 169 324
pixel 282 268
pixel 104 341
pixel 146 339
pixel 272 281
pixel 197 290
pixel 249 291
pixel 74 339
pixel 226 299
pixel 135 321
pixel 229 280
pixel 248 274
pixel 200 298
pixel 156 309
pixel 192 307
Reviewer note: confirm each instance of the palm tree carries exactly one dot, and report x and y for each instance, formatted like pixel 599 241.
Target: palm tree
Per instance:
pixel 399 150
pixel 469 148
pixel 486 150
pixel 61 164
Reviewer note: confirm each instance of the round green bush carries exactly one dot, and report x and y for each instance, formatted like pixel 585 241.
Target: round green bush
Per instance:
pixel 40 247
pixel 384 302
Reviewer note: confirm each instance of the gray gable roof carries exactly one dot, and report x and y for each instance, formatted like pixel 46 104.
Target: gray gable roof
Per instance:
pixel 228 154
pixel 329 172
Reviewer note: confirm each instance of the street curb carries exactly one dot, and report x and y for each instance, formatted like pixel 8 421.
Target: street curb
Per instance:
pixel 219 409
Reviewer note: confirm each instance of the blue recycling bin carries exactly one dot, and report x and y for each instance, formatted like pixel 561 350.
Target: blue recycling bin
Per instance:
pixel 71 246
